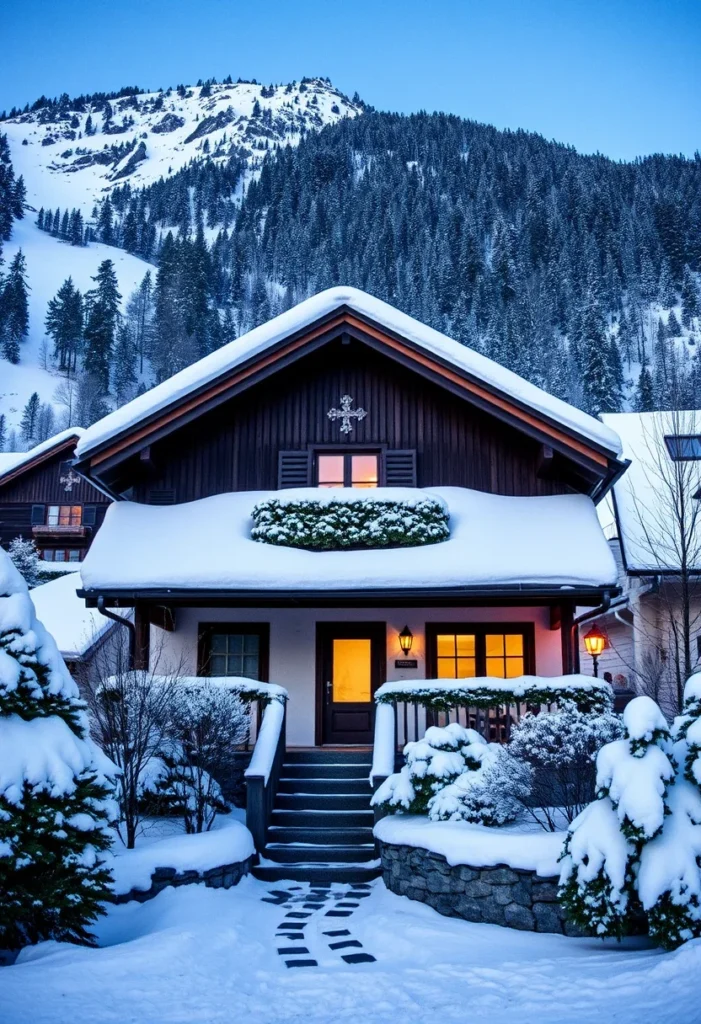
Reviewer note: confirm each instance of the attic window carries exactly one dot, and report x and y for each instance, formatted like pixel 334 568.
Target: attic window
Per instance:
pixel 684 447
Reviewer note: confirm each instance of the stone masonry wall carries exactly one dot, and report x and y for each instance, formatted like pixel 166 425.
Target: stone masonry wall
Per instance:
pixel 499 895
pixel 215 878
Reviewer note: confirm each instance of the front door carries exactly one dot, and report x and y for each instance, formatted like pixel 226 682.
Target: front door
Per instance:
pixel 351 666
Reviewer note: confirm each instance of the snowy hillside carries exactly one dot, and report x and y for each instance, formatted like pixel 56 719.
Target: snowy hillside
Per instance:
pixel 72 154
pixel 142 138
pixel 49 263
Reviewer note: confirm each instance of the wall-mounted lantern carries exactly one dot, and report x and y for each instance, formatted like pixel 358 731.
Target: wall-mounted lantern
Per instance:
pixel 406 639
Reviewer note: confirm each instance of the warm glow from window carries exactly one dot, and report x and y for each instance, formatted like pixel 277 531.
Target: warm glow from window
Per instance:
pixel 456 656
pixel 364 471
pixel 331 470
pixel 504 655
pixel 352 670
pixel 64 515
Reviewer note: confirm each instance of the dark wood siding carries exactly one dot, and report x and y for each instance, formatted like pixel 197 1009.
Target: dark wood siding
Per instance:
pixel 42 486
pixel 237 446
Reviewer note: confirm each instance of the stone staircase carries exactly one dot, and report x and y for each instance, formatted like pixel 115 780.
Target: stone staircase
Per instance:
pixel 321 825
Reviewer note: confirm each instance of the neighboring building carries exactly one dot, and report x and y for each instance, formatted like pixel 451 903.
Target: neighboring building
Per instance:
pixel 657 545
pixel 345 391
pixel 83 636
pixel 43 499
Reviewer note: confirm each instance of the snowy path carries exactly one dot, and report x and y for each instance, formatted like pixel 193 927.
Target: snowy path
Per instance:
pixel 207 955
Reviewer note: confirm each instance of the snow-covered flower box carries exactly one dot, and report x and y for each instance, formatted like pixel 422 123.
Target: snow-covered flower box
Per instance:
pixel 334 525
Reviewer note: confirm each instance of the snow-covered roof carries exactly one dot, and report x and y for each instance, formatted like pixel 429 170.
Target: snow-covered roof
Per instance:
pixel 75 628
pixel 553 541
pixel 18 459
pixel 308 312
pixel 645 495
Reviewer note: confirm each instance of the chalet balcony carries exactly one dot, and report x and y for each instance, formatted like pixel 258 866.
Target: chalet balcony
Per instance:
pixel 61 531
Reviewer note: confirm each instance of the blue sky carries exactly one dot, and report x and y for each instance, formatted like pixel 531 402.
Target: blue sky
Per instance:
pixel 619 76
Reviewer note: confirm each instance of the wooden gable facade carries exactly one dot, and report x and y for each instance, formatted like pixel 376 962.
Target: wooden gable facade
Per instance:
pixel 45 500
pixel 264 426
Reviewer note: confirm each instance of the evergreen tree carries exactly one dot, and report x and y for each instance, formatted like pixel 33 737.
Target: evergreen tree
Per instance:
pixel 691 305
pixel 105 228
pixel 14 308
pixel 124 379
pixel 673 328
pixel 28 423
pixel 25 558
pixel 64 324
pixel 3 432
pixel 645 391
pixel 101 324
pixel 53 819
pixel 600 388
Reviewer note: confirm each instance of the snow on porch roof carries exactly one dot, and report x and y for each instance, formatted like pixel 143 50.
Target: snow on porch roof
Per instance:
pixel 308 312
pixel 494 541
pixel 19 459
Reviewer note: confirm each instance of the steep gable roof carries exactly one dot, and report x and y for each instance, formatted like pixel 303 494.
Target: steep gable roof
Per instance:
pixel 22 462
pixel 336 307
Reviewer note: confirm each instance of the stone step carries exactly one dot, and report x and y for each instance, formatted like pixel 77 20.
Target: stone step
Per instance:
pixel 295 853
pixel 317 873
pixel 325 785
pixel 295 834
pixel 325 770
pixel 309 818
pixel 331 755
pixel 301 801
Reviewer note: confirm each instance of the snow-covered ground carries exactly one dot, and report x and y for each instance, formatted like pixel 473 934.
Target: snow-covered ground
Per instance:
pixel 49 263
pixel 210 955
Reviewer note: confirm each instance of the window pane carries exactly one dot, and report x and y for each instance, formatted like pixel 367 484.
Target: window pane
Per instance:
pixel 217 665
pixel 59 555
pixel 467 668
pixel 330 470
pixel 494 644
pixel 514 644
pixel 52 515
pixel 76 515
pixel 445 646
pixel 250 666
pixel 235 643
pixel 352 671
pixel 465 644
pixel 218 643
pixel 48 555
pixel 74 555
pixel 446 668
pixel 250 643
pixel 364 470
pixel 514 667
pixel 495 667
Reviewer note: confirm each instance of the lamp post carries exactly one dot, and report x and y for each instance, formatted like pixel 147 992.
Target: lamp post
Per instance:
pixel 596 643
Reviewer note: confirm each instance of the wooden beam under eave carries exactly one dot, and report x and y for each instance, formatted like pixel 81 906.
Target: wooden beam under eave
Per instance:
pixel 568 638
pixel 163 616
pixel 142 650
pixel 555 616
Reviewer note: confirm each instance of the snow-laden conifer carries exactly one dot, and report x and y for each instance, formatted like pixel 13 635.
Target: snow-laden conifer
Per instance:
pixel 55 792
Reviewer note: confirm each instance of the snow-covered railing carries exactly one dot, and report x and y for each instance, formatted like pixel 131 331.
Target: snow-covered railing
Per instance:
pixel 263 773
pixel 489 705
pixel 384 749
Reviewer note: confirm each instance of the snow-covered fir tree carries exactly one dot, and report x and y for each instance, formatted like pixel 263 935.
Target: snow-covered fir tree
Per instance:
pixel 55 794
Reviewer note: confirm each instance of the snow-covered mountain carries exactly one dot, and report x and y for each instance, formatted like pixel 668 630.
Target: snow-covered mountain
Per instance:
pixel 144 137
pixel 75 152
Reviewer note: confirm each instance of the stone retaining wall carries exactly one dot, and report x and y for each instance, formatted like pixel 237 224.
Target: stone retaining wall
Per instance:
pixel 498 895
pixel 215 878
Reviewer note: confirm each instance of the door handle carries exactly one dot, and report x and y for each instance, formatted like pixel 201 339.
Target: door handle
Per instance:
pixel 329 687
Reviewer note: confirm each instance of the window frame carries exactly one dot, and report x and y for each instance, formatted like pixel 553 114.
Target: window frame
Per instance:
pixel 480 630
pixel 205 630
pixel 671 440
pixel 59 506
pixel 348 452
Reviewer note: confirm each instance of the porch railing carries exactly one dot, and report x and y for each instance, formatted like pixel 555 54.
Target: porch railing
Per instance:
pixel 263 773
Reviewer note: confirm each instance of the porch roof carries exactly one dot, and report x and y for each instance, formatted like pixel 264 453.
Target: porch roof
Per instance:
pixel 497 545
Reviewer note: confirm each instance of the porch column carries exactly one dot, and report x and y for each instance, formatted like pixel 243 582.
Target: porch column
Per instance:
pixel 143 636
pixel 569 639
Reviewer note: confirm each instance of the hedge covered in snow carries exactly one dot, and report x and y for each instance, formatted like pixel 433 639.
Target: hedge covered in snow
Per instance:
pixel 361 523
pixel 587 693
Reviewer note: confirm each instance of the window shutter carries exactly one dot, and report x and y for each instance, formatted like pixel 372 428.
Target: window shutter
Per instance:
pixel 293 469
pixel 89 515
pixel 400 467
pixel 38 515
pixel 162 497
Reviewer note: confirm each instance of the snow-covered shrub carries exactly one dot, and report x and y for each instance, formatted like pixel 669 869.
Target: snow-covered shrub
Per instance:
pixel 604 844
pixel 585 692
pixel 490 794
pixel 55 785
pixel 25 556
pixel 206 723
pixel 449 775
pixel 362 523
pixel 431 764
pixel 560 747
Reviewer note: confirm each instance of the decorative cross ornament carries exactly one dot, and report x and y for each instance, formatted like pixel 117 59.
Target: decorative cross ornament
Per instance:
pixel 69 479
pixel 345 414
